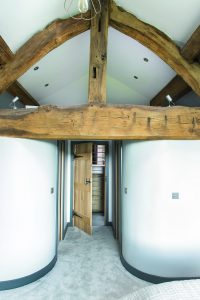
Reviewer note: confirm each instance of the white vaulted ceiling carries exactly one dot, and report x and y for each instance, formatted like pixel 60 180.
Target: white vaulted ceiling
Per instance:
pixel 65 69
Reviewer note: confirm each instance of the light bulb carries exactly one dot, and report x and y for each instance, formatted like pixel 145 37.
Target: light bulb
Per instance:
pixel 83 6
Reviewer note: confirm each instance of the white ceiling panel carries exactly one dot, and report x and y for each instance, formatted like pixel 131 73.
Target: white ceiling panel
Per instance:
pixel 60 68
pixel 177 18
pixel 73 94
pixel 21 19
pixel 118 93
pixel 126 60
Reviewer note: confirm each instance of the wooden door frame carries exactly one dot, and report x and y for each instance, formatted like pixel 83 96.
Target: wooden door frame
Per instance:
pixel 107 171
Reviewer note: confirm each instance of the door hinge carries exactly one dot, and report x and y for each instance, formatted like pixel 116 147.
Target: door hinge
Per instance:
pixel 77 156
pixel 74 213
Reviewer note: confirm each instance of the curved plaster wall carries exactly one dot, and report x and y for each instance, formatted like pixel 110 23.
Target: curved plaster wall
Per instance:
pixel 28 224
pixel 160 235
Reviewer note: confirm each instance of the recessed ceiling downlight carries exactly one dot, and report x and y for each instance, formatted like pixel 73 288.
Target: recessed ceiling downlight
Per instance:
pixel 135 77
pixel 36 68
pixel 46 84
pixel 145 59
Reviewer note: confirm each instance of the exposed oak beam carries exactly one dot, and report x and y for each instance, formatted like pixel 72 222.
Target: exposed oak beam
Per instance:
pixel 177 87
pixel 102 122
pixel 15 89
pixel 158 42
pixel 38 46
pixel 98 54
pixel 191 50
pixel 5 52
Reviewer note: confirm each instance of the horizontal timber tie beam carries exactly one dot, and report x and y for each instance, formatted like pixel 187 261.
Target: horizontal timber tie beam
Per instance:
pixel 102 122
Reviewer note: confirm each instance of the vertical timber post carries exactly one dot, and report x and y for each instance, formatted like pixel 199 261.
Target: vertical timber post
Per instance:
pixel 98 54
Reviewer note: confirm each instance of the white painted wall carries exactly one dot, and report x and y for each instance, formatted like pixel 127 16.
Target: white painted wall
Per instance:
pixel 27 207
pixel 160 235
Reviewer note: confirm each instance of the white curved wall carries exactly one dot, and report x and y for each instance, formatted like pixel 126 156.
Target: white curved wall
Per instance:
pixel 160 235
pixel 28 170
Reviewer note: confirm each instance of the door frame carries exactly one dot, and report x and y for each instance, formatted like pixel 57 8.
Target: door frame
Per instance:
pixel 117 190
pixel 60 189
pixel 106 143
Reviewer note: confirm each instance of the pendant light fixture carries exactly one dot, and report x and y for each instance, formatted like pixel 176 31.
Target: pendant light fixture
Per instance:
pixel 83 6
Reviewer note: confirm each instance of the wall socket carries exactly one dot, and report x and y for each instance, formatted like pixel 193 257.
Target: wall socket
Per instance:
pixel 175 195
pixel 52 190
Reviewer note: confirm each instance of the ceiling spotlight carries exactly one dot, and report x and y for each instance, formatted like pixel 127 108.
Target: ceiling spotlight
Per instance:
pixel 169 99
pixel 145 59
pixel 83 6
pixel 46 84
pixel 36 68
pixel 13 103
pixel 135 77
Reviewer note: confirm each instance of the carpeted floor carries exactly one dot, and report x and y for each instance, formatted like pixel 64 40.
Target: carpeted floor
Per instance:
pixel 98 219
pixel 88 267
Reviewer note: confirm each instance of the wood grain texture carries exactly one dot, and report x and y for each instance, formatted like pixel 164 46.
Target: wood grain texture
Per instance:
pixel 5 52
pixel 98 187
pixel 99 122
pixel 191 50
pixel 15 89
pixel 38 46
pixel 176 88
pixel 83 191
pixel 98 55
pixel 157 42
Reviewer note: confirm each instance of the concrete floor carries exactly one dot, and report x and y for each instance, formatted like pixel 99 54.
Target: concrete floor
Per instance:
pixel 88 267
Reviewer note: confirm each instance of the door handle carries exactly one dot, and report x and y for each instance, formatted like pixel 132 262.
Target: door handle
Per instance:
pixel 87 181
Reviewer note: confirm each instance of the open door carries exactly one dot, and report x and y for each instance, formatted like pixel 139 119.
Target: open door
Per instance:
pixel 83 187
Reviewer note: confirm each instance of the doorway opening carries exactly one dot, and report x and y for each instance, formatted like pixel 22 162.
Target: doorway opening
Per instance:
pixel 90 170
pixel 98 185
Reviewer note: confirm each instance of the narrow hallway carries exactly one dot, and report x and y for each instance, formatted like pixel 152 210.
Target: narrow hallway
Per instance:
pixel 88 267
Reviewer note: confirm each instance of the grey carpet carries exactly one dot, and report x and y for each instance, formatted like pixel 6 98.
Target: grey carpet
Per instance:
pixel 97 219
pixel 88 267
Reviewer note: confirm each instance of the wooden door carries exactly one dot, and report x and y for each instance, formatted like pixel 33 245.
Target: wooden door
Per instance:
pixel 83 187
